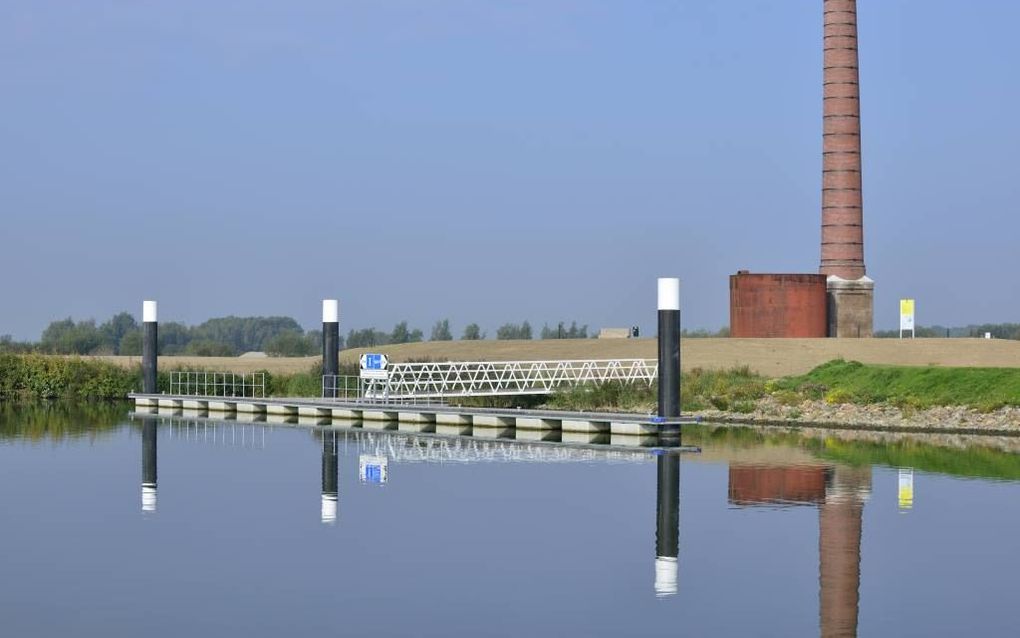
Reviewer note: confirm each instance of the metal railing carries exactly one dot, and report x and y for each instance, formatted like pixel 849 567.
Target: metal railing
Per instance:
pixel 411 381
pixel 218 384
pixel 341 387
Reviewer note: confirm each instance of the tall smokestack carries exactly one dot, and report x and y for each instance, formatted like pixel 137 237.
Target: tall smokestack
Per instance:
pixel 851 293
pixel 842 206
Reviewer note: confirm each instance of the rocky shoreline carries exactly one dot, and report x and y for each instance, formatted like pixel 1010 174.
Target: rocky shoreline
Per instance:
pixel 882 417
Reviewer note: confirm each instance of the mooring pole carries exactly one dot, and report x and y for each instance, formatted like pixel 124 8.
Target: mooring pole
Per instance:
pixel 669 348
pixel 150 344
pixel 148 465
pixel 330 478
pixel 330 341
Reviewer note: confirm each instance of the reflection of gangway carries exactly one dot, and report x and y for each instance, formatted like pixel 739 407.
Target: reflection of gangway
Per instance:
pixel 410 448
pixel 490 378
pixel 237 434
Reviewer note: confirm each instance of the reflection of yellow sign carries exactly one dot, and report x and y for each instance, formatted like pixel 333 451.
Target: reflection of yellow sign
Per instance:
pixel 906 491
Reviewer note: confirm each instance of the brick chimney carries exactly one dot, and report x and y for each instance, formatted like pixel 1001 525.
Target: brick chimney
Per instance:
pixel 851 293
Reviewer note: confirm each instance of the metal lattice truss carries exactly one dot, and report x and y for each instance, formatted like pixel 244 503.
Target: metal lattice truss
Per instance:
pixel 504 378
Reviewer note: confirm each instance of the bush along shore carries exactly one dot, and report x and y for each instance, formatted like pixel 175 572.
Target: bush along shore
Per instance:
pixel 39 377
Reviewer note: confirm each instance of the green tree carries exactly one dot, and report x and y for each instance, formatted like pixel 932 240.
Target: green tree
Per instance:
pixel 209 348
pixel 290 344
pixel 174 337
pixel 563 332
pixel 131 344
pixel 115 328
pixel 366 338
pixel 472 332
pixel 441 331
pixel 401 334
pixel 512 331
pixel 68 337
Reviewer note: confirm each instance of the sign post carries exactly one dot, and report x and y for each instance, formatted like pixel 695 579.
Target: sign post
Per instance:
pixel 373 366
pixel 907 317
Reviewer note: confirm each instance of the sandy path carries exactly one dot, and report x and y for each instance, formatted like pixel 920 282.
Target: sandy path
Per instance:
pixel 773 357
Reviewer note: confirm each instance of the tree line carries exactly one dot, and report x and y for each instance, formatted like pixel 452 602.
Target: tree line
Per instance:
pixel 997 330
pixel 231 336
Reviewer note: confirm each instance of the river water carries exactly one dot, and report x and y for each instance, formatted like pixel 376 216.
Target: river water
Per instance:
pixel 171 526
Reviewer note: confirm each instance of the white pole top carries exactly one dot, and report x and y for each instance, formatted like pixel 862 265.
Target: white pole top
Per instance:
pixel 669 293
pixel 330 311
pixel 148 311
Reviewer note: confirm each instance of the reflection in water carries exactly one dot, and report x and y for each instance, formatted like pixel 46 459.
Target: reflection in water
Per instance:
pixel 667 524
pixel 330 477
pixel 905 489
pixel 839 549
pixel 839 493
pixel 148 465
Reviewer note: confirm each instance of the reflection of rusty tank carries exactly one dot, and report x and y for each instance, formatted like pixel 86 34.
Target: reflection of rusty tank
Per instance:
pixel 778 305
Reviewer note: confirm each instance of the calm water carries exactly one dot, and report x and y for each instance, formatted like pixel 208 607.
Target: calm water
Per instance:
pixel 168 526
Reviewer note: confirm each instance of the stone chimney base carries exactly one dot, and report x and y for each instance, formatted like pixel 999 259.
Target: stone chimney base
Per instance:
pixel 851 306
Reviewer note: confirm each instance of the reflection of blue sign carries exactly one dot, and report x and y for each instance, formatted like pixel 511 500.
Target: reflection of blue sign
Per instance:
pixel 372 469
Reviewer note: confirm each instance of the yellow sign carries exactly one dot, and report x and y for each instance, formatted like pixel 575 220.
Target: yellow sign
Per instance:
pixel 906 316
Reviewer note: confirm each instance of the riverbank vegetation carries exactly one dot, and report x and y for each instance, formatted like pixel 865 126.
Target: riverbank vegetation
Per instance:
pixel 737 390
pixel 837 382
pixel 920 387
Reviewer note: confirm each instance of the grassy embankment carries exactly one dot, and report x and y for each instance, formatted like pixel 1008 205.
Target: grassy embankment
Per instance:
pixel 836 382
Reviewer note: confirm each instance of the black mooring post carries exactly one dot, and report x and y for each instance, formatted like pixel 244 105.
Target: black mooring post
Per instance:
pixel 669 348
pixel 330 344
pixel 148 465
pixel 667 524
pixel 330 478
pixel 150 345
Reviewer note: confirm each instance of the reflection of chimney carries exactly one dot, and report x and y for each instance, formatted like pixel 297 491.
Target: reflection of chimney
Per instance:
pixel 839 547
pixel 330 478
pixel 667 524
pixel 149 465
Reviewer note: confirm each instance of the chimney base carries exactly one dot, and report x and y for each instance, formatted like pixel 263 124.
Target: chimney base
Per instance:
pixel 851 307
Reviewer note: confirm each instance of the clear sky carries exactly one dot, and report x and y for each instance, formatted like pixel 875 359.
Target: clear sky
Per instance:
pixel 490 161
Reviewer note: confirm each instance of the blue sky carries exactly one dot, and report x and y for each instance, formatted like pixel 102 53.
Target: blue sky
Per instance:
pixel 490 162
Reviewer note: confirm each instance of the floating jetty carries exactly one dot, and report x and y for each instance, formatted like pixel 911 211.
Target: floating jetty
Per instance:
pixel 600 427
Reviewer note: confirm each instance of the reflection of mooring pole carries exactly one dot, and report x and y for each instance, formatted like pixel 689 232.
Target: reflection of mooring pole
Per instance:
pixel 669 352
pixel 330 344
pixel 330 478
pixel 667 524
pixel 149 465
pixel 150 343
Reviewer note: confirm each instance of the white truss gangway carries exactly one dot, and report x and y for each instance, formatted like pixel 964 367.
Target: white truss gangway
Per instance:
pixel 452 379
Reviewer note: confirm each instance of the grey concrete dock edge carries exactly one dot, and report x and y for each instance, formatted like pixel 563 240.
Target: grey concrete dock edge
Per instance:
pixel 485 421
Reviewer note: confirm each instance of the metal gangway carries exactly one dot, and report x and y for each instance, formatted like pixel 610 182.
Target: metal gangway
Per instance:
pixel 453 379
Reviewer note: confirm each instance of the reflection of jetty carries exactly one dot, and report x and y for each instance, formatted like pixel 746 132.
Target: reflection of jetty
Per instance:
pixel 377 448
pixel 423 447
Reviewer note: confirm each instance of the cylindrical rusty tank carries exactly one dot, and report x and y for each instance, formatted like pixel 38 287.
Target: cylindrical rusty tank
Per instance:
pixel 777 305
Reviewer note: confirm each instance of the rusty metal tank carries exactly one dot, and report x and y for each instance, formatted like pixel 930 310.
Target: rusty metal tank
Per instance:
pixel 778 305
